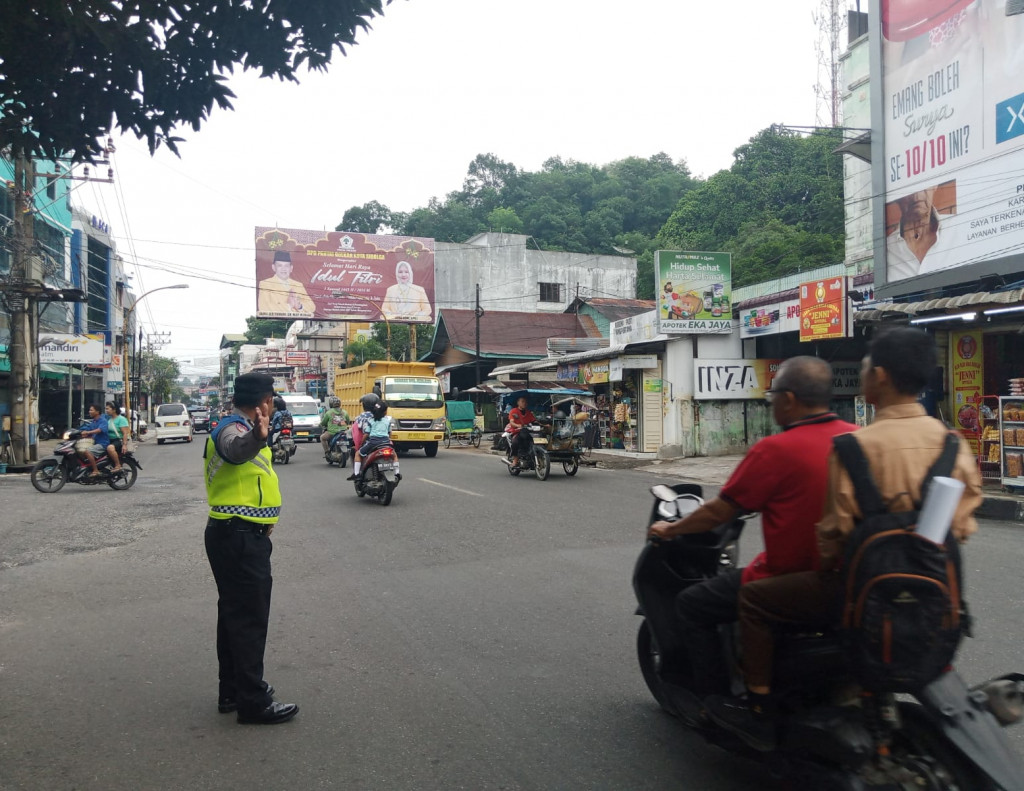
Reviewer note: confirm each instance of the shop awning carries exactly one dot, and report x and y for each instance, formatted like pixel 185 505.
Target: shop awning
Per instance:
pixel 976 301
pixel 553 362
pixel 50 371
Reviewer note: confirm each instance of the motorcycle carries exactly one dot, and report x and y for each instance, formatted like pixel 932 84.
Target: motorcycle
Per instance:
pixel 49 475
pixel 47 431
pixel 833 734
pixel 283 446
pixel 338 449
pixel 379 475
pixel 532 452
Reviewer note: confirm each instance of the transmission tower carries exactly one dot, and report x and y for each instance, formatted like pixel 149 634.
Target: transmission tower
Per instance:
pixel 830 19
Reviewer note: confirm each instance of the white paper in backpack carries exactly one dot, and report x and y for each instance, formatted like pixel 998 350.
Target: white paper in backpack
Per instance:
pixel 939 507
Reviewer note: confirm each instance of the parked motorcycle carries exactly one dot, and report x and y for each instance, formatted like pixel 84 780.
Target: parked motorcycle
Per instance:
pixel 47 431
pixel 283 446
pixel 339 448
pixel 51 473
pixel 379 475
pixel 833 734
pixel 532 452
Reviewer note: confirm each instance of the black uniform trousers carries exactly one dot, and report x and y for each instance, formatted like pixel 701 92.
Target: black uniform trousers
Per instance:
pixel 239 555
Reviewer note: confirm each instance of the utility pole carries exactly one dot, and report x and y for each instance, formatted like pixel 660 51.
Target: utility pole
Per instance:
pixel 24 355
pixel 479 314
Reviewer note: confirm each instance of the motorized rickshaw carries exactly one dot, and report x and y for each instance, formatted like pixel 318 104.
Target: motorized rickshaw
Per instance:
pixel 562 421
pixel 461 424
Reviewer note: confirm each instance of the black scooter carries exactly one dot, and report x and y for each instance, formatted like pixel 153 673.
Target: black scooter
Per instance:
pixel 339 448
pixel 833 734
pixel 532 453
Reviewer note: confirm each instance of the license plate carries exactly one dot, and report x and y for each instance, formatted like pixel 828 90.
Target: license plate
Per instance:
pixel 385 465
pixel 301 433
pixel 170 424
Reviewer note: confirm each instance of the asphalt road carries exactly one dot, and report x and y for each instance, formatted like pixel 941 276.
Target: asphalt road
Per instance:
pixel 478 633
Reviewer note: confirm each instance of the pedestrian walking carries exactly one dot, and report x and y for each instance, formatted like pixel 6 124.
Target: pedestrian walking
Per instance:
pixel 245 503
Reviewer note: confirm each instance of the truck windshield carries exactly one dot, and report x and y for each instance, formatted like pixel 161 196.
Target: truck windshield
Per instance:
pixel 413 391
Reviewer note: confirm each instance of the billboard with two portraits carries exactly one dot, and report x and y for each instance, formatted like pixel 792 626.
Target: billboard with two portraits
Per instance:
pixel 342 276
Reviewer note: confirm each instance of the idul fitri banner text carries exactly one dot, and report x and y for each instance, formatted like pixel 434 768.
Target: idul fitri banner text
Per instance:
pixel 694 292
pixel 344 276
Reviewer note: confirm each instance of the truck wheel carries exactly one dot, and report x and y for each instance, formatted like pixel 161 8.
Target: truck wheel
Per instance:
pixel 430 448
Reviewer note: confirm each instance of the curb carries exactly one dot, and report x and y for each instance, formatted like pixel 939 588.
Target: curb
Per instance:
pixel 1002 509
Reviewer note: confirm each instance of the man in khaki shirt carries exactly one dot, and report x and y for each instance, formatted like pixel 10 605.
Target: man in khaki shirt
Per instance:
pixel 901 446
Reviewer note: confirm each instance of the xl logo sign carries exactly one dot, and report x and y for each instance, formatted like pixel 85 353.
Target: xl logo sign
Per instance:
pixel 1010 118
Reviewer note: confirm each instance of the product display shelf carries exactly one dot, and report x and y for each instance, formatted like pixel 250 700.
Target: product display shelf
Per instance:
pixel 1011 442
pixel 989 444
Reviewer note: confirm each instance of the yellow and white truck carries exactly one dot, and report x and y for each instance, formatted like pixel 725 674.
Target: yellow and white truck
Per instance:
pixel 414 397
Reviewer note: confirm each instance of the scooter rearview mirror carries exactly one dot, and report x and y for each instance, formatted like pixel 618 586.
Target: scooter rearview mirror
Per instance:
pixel 663 492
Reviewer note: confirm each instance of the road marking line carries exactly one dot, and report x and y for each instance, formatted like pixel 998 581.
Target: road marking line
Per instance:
pixel 453 488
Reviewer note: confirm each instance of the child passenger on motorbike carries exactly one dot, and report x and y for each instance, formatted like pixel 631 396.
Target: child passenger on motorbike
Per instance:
pixel 361 430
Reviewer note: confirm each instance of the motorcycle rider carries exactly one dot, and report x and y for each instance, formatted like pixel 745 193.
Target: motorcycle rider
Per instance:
pixel 334 421
pixel 900 446
pixel 782 477
pixel 376 434
pixel 277 419
pixel 519 417
pixel 96 429
pixel 361 429
pixel 118 432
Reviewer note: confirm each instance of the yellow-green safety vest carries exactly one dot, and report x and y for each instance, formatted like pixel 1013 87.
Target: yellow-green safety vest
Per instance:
pixel 249 490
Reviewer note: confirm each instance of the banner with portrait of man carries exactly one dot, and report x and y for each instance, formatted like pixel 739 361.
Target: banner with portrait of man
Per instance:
pixel 343 276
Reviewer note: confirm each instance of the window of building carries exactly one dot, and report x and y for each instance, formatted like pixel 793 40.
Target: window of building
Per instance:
pixel 550 292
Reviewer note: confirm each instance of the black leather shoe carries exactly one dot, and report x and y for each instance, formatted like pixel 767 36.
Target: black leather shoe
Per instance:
pixel 228 705
pixel 271 715
pixel 351 477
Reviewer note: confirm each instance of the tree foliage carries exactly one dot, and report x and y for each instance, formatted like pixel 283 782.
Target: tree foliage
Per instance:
pixel 71 72
pixel 778 209
pixel 361 350
pixel 258 330
pixel 163 374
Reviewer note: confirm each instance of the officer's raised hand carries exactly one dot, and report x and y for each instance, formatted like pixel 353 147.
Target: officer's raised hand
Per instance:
pixel 261 422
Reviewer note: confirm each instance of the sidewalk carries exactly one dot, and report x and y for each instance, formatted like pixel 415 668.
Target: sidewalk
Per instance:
pixel 715 470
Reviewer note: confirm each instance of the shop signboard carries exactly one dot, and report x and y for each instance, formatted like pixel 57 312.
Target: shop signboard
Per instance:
pixel 724 380
pixel 113 375
pixel 67 349
pixel 953 123
pixel 823 309
pixel 845 379
pixel 968 383
pixel 694 292
pixel 296 357
pixel 587 373
pixel 639 360
pixel 445 378
pixel 770 319
pixel 341 276
pixel 636 329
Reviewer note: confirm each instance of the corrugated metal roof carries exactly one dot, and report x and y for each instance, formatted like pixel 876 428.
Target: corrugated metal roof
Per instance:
pixel 559 346
pixel 509 333
pixel 978 299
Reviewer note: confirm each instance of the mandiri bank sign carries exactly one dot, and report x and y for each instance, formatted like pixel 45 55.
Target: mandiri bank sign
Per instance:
pixel 336 275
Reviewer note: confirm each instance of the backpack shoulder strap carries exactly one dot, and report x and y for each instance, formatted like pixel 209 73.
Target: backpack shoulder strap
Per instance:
pixel 851 455
pixel 943 466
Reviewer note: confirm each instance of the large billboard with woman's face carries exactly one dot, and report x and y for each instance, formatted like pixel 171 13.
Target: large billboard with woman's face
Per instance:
pixel 952 100
pixel 344 276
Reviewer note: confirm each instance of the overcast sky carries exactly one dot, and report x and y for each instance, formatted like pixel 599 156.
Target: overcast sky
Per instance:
pixel 434 83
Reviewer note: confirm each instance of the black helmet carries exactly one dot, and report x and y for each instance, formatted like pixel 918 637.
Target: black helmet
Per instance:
pixel 334 402
pixel 559 415
pixel 368 400
pixel 279 404
pixel 379 409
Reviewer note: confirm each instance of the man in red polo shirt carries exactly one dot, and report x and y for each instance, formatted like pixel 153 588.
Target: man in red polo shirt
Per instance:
pixel 784 477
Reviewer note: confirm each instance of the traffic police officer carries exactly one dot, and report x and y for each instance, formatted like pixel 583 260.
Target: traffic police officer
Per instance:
pixel 245 502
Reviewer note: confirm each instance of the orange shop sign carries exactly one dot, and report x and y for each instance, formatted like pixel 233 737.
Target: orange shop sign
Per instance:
pixel 823 309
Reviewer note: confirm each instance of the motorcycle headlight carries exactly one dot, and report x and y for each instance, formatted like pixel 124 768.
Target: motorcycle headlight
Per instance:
pixel 1004 698
pixel 67 435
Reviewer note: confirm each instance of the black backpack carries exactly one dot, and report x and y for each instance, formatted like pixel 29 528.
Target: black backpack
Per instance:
pixel 903 616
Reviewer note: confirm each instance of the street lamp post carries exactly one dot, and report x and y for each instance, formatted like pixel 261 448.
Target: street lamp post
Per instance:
pixel 387 323
pixel 126 328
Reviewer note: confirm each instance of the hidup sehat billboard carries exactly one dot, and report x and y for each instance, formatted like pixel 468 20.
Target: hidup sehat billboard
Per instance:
pixel 951 88
pixel 694 292
pixel 344 276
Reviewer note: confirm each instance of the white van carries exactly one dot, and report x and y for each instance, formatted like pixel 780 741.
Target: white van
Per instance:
pixel 172 422
pixel 305 417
